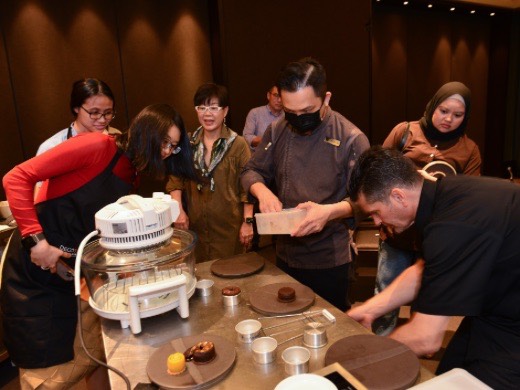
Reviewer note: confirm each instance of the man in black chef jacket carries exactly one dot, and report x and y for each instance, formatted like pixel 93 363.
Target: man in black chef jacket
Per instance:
pixel 470 229
pixel 304 161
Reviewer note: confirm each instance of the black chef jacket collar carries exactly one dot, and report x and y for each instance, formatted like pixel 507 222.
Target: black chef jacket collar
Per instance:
pixel 426 203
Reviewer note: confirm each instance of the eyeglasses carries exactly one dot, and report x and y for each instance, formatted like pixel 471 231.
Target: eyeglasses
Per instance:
pixel 97 115
pixel 167 145
pixel 275 94
pixel 212 109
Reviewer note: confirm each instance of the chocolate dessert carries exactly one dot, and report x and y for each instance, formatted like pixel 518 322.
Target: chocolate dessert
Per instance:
pixel 201 353
pixel 286 294
pixel 230 291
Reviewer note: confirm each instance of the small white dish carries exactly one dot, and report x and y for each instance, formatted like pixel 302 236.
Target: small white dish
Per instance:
pixel 456 378
pixel 306 382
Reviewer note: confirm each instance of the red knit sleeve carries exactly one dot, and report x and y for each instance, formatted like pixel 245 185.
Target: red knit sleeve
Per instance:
pixel 64 168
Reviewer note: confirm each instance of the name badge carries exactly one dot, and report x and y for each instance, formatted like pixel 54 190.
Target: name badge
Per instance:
pixel 332 141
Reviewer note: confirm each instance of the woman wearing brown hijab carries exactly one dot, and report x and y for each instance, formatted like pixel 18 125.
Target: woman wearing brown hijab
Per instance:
pixel 437 143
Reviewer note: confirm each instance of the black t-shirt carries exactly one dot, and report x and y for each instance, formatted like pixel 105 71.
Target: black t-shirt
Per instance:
pixel 471 245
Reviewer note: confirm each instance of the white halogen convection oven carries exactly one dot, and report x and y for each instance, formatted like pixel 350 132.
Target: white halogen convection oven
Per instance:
pixel 140 266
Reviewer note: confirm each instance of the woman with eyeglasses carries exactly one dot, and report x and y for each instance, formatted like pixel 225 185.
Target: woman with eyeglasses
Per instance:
pixel 79 177
pixel 92 104
pixel 217 206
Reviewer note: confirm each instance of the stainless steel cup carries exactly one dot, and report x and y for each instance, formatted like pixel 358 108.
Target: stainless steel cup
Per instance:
pixel 314 335
pixel 248 330
pixel 204 287
pixel 231 300
pixel 264 350
pixel 296 360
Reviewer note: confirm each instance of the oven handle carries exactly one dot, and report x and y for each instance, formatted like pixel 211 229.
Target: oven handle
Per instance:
pixel 149 216
pixel 156 289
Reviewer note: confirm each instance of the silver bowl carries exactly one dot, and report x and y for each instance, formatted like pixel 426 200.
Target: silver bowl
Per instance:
pixel 264 350
pixel 314 335
pixel 248 330
pixel 296 360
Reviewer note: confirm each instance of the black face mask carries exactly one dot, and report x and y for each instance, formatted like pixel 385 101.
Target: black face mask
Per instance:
pixel 305 122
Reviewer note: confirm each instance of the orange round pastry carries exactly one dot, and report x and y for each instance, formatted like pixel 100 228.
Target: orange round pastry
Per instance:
pixel 286 294
pixel 201 353
pixel 231 290
pixel 176 363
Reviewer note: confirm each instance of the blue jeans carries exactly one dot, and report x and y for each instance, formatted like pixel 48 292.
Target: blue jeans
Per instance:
pixel 391 262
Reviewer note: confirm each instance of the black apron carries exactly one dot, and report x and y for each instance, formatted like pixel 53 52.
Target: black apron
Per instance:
pixel 39 312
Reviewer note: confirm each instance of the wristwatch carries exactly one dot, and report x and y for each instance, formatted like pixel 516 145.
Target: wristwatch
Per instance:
pixel 249 220
pixel 31 240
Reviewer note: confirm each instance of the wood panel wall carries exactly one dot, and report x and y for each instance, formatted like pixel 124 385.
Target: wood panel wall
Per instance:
pixel 415 51
pixel 383 63
pixel 48 48
pixel 10 142
pixel 503 104
pixel 147 51
pixel 258 38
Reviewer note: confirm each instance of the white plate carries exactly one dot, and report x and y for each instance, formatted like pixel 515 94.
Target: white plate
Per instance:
pixel 306 382
pixel 455 379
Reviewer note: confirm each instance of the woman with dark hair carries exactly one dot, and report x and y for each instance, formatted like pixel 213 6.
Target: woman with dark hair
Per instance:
pixel 150 131
pixel 79 177
pixel 92 104
pixel 439 144
pixel 217 206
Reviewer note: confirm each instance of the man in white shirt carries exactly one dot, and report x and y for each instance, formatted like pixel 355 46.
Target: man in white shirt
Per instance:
pixel 260 118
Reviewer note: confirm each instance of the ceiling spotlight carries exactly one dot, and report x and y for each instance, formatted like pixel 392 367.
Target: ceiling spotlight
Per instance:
pixel 472 11
pixel 492 14
pixel 430 5
pixel 405 3
pixel 452 9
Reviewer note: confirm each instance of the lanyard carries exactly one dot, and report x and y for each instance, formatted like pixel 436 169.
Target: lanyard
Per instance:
pixel 69 131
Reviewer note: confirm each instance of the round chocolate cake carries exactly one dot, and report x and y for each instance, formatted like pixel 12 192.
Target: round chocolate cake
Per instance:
pixel 286 294
pixel 231 290
pixel 202 352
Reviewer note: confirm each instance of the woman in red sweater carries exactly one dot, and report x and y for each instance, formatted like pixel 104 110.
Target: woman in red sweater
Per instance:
pixel 80 176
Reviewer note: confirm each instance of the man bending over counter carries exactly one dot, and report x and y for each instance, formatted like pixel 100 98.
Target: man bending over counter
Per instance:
pixel 471 263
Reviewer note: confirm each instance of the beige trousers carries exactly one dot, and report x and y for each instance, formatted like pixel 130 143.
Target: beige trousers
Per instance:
pixel 66 375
